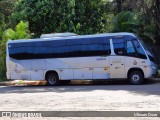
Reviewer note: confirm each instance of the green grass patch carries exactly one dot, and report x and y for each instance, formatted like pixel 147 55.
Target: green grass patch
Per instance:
pixel 3 80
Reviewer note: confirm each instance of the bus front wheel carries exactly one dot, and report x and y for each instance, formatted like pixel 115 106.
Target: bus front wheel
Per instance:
pixel 52 79
pixel 136 78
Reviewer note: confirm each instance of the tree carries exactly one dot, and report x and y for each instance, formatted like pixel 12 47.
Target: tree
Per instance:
pixel 91 16
pixel 2 26
pixel 45 16
pixel 123 5
pixel 147 12
pixel 151 9
pixel 2 60
pixel 125 22
pixel 6 8
pixel 21 32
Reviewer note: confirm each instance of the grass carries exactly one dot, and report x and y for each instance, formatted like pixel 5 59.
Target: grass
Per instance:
pixel 3 80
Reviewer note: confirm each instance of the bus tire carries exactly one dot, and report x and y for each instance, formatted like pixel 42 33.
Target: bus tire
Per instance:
pixel 52 79
pixel 136 77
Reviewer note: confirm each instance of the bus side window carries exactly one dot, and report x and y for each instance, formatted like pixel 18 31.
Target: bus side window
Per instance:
pixel 130 51
pixel 119 46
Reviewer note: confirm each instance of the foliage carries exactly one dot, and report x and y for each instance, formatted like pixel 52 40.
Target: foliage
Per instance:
pixel 2 60
pixel 6 8
pixel 151 9
pixel 125 21
pixel 90 16
pixel 21 32
pixel 2 26
pixel 48 16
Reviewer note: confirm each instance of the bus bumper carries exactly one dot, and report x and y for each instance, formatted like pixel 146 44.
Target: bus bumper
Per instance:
pixel 8 75
pixel 151 72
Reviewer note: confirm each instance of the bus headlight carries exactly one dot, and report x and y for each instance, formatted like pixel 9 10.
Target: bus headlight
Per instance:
pixel 153 67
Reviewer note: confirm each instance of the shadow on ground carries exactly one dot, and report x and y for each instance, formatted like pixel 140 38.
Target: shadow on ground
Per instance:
pixel 150 87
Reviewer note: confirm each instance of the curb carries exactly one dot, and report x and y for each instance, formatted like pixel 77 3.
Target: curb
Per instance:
pixel 5 83
pixel 43 82
pixel 22 83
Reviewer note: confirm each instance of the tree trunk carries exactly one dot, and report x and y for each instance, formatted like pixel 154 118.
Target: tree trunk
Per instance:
pixel 119 6
pixel 157 19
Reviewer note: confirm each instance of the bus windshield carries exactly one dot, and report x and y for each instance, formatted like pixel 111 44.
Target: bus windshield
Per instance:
pixel 148 51
pixel 146 47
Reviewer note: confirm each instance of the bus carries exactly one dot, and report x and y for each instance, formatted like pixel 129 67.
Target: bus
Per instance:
pixel 106 56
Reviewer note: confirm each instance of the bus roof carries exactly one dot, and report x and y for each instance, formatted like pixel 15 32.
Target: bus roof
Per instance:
pixel 57 35
pixel 120 34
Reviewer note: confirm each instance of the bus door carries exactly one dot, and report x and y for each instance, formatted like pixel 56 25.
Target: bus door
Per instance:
pixel 117 60
pixel 117 69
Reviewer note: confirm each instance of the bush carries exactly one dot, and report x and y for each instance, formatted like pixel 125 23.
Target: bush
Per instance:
pixel 21 32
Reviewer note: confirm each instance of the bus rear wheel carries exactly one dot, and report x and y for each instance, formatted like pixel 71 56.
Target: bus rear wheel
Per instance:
pixel 136 78
pixel 52 79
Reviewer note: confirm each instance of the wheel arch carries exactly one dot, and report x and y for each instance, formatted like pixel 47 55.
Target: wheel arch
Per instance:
pixel 50 71
pixel 135 69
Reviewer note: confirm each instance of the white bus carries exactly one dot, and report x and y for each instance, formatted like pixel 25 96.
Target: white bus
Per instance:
pixel 82 57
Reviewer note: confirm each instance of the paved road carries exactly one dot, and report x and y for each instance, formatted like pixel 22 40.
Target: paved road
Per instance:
pixel 117 96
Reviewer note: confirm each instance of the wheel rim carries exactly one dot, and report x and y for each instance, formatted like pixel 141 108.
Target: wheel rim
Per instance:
pixel 135 77
pixel 52 80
